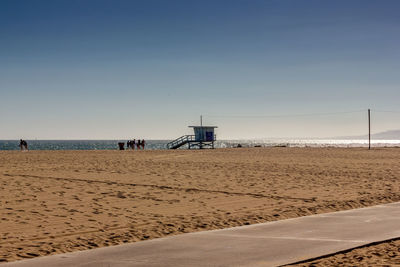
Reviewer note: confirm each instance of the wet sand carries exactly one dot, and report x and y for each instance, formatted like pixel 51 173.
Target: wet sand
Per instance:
pixel 61 201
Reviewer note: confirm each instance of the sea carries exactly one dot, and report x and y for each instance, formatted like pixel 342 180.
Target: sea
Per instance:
pixel 161 144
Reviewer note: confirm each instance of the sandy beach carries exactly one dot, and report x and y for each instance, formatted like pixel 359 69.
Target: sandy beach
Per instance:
pixel 61 201
pixel 384 254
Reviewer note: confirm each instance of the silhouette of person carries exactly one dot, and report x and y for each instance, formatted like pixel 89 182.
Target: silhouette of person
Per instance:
pixel 23 144
pixel 133 144
pixel 138 144
pixel 143 144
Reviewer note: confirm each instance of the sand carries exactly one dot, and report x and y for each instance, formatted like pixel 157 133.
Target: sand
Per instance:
pixel 384 254
pixel 61 201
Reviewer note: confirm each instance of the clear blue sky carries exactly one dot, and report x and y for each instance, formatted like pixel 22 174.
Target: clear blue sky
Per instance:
pixel 147 69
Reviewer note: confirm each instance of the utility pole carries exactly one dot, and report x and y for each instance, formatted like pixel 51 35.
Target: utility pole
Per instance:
pixel 201 120
pixel 369 129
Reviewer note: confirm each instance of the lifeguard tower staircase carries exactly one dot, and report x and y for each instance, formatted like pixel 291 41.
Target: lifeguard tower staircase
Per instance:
pixel 203 137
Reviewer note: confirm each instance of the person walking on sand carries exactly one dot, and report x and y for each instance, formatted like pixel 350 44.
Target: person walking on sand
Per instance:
pixel 23 145
pixel 128 144
pixel 138 144
pixel 143 144
pixel 133 143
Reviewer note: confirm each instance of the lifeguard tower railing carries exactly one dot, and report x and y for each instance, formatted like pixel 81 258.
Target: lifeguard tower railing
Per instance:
pixel 191 141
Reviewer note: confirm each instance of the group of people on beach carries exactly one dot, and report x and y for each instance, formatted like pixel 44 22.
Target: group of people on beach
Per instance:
pixel 130 144
pixel 23 145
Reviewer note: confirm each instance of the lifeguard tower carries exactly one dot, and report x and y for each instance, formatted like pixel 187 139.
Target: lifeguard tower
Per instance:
pixel 203 137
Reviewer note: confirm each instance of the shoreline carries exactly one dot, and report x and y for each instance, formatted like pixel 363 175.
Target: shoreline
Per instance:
pixel 162 144
pixel 215 149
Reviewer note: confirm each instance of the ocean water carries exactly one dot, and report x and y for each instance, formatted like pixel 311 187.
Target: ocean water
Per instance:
pixel 161 144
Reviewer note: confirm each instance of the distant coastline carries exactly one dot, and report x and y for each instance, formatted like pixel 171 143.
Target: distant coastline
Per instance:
pixel 386 135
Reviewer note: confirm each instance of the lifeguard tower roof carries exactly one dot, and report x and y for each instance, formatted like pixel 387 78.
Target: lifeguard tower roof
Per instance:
pixel 203 126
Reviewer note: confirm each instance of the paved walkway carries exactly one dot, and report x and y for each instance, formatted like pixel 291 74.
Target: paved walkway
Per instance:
pixel 266 244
